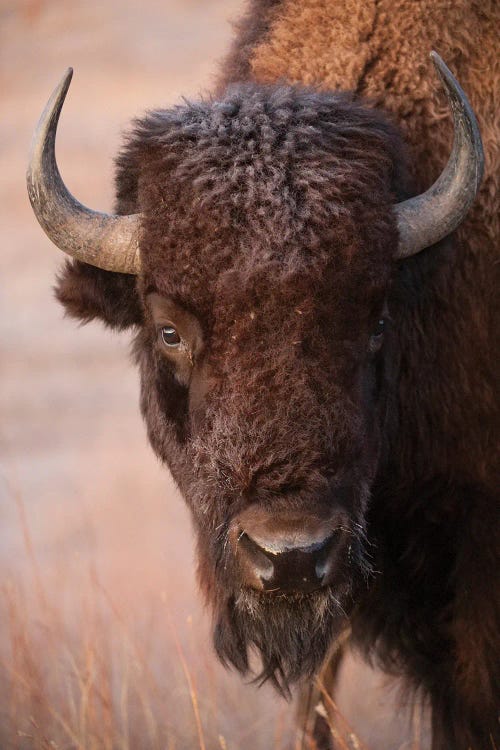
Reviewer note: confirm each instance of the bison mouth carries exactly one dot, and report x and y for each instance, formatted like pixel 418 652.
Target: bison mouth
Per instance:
pixel 291 633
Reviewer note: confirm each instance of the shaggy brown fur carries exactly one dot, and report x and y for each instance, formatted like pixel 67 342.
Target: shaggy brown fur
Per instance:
pixel 267 216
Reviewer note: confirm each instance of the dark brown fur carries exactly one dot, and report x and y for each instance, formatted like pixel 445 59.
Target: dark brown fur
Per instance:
pixel 267 216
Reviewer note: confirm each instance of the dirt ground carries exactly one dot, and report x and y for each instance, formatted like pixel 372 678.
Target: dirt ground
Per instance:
pixel 96 553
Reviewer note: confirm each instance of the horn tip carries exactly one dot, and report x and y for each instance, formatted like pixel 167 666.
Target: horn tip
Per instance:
pixel 458 99
pixel 440 65
pixel 66 79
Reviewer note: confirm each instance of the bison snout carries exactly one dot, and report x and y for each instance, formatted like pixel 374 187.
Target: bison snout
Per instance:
pixel 283 554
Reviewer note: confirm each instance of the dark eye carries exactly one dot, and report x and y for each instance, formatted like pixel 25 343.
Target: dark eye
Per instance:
pixel 377 336
pixel 170 337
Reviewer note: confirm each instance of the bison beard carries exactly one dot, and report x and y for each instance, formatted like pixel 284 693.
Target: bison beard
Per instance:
pixel 290 633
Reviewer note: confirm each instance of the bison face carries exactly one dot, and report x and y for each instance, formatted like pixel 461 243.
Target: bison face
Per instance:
pixel 267 237
pixel 266 242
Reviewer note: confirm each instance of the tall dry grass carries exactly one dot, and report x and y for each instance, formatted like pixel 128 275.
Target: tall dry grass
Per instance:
pixel 81 667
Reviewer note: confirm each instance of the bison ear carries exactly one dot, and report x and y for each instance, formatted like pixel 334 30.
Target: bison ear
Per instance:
pixel 87 292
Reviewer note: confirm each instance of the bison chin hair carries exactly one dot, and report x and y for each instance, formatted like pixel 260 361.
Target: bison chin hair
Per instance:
pixel 291 634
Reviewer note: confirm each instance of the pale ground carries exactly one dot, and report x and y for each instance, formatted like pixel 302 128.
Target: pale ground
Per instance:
pixel 89 520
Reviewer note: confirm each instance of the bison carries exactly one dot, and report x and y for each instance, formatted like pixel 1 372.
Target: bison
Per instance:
pixel 315 340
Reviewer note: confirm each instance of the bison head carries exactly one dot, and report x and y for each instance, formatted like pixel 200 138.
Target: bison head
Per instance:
pixel 253 249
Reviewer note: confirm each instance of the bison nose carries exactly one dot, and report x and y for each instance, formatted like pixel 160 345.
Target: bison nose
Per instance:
pixel 276 566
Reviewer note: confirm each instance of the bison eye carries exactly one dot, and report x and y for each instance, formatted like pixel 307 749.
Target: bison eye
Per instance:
pixel 170 337
pixel 377 336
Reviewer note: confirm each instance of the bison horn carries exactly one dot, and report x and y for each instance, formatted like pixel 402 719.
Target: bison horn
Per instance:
pixel 111 242
pixel 427 218
pixel 104 240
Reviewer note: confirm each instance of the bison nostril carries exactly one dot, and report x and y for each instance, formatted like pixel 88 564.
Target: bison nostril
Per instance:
pixel 325 556
pixel 261 564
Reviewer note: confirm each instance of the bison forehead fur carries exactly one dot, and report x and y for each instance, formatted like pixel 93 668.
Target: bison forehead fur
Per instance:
pixel 264 176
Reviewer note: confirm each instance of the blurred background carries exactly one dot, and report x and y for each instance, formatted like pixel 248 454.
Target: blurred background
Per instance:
pixel 104 641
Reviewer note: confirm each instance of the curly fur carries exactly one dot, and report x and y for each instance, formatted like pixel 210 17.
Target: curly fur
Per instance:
pixel 267 215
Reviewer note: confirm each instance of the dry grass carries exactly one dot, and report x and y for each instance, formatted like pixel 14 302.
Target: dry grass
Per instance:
pixel 81 669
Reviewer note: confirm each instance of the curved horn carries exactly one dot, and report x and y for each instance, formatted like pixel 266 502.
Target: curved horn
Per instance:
pixel 427 218
pixel 103 240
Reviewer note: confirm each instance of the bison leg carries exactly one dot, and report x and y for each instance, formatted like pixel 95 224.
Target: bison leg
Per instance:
pixel 354 705
pixel 315 724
